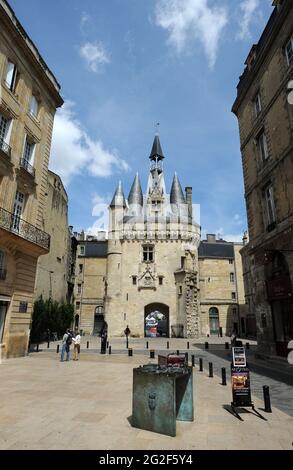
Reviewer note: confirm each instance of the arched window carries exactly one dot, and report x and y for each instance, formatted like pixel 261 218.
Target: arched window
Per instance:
pixel 214 321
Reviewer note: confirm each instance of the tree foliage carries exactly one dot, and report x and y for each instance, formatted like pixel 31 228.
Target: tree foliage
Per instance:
pixel 50 315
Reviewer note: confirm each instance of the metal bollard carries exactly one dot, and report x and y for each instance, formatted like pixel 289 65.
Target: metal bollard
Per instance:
pixel 267 399
pixel 178 352
pixel 168 345
pixel 211 369
pixel 206 345
pixel 186 357
pixel 110 349
pixel 48 344
pixel 224 380
pixel 147 345
pixel 87 344
pixel 130 352
pixel 152 354
pixel 247 346
pixel 193 360
pixel 107 344
pixel 200 364
pixel 226 345
pixel 58 347
pixel 187 344
pixel 38 347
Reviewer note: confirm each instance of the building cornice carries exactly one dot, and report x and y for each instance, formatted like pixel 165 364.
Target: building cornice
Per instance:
pixel 19 35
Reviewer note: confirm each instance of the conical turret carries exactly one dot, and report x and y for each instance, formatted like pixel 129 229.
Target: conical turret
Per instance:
pixel 176 195
pixel 157 152
pixel 118 198
pixel 135 197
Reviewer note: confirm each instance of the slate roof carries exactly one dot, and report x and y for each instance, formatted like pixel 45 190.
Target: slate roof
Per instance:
pixel 216 250
pixel 95 249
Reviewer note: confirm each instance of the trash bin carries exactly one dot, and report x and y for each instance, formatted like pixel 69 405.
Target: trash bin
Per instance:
pixel 162 394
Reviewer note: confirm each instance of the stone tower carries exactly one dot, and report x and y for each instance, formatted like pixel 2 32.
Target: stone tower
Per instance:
pixel 152 267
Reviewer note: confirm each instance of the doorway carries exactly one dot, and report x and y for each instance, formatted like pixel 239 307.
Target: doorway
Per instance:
pixel 3 310
pixel 214 321
pixel 156 321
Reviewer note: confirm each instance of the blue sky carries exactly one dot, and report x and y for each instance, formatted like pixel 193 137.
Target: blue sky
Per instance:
pixel 125 65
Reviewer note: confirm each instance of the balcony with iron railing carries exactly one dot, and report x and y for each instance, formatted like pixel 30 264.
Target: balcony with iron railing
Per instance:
pixel 27 166
pixel 5 148
pixel 19 227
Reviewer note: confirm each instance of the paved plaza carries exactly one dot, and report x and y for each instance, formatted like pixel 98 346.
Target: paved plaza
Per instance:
pixel 46 404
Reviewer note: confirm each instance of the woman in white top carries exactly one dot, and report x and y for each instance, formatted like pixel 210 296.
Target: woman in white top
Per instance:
pixel 76 341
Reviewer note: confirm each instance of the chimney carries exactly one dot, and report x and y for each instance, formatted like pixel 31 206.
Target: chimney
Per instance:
pixel 188 193
pixel 245 238
pixel 211 238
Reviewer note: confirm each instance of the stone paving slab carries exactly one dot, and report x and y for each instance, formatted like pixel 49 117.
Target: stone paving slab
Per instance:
pixel 45 404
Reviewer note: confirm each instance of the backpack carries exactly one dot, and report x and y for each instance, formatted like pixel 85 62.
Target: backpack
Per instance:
pixel 68 339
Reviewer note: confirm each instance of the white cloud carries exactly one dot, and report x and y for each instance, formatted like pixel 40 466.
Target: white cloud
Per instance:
pixel 247 12
pixel 192 20
pixel 85 18
pixel 74 151
pixel 95 55
pixel 229 237
pixel 100 210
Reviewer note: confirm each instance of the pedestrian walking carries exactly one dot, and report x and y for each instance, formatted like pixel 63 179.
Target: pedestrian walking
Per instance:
pixel 76 349
pixel 233 338
pixel 66 343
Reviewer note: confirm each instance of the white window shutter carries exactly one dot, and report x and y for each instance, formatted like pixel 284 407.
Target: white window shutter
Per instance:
pixel 8 130
pixel 10 74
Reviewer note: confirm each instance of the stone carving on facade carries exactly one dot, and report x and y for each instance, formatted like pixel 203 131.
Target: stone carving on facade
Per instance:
pixel 147 280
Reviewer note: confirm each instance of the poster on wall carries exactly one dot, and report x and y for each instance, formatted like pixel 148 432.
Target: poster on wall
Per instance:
pixel 241 391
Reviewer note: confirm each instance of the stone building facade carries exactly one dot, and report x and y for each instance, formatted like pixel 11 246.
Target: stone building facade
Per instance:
pixel 29 96
pixel 53 269
pixel 222 299
pixel 266 122
pixel 152 273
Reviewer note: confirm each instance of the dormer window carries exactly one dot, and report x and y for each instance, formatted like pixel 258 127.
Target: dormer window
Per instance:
pixel 289 51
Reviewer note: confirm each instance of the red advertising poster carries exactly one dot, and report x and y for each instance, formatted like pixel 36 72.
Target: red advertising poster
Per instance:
pixel 240 386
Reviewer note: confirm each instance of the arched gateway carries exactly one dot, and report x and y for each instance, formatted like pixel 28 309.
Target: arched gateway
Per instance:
pixel 156 320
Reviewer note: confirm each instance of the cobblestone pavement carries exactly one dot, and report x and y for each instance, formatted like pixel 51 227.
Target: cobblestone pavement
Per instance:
pixel 46 404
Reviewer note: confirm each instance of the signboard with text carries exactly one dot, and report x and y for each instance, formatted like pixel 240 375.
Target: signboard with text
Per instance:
pixel 239 357
pixel 240 380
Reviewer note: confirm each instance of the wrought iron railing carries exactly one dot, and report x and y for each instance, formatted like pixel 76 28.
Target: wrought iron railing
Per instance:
pixel 3 273
pixel 23 229
pixel 4 147
pixel 27 166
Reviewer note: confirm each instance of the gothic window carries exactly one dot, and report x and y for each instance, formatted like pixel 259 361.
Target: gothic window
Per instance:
pixel 148 254
pixel 161 280
pixel 134 280
pixel 232 277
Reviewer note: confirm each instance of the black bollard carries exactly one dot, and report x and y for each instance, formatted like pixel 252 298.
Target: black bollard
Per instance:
pixel 147 345
pixel 168 345
pixel 186 357
pixel 152 354
pixel 247 346
pixel 38 347
pixel 178 352
pixel 58 347
pixel 87 344
pixel 107 344
pixel 226 345
pixel 206 345
pixel 187 344
pixel 193 360
pixel 48 344
pixel 267 399
pixel 211 369
pixel 224 381
pixel 130 352
pixel 110 349
pixel 200 364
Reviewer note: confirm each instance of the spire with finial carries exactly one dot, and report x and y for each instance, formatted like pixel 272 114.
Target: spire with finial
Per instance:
pixel 118 198
pixel 135 196
pixel 176 195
